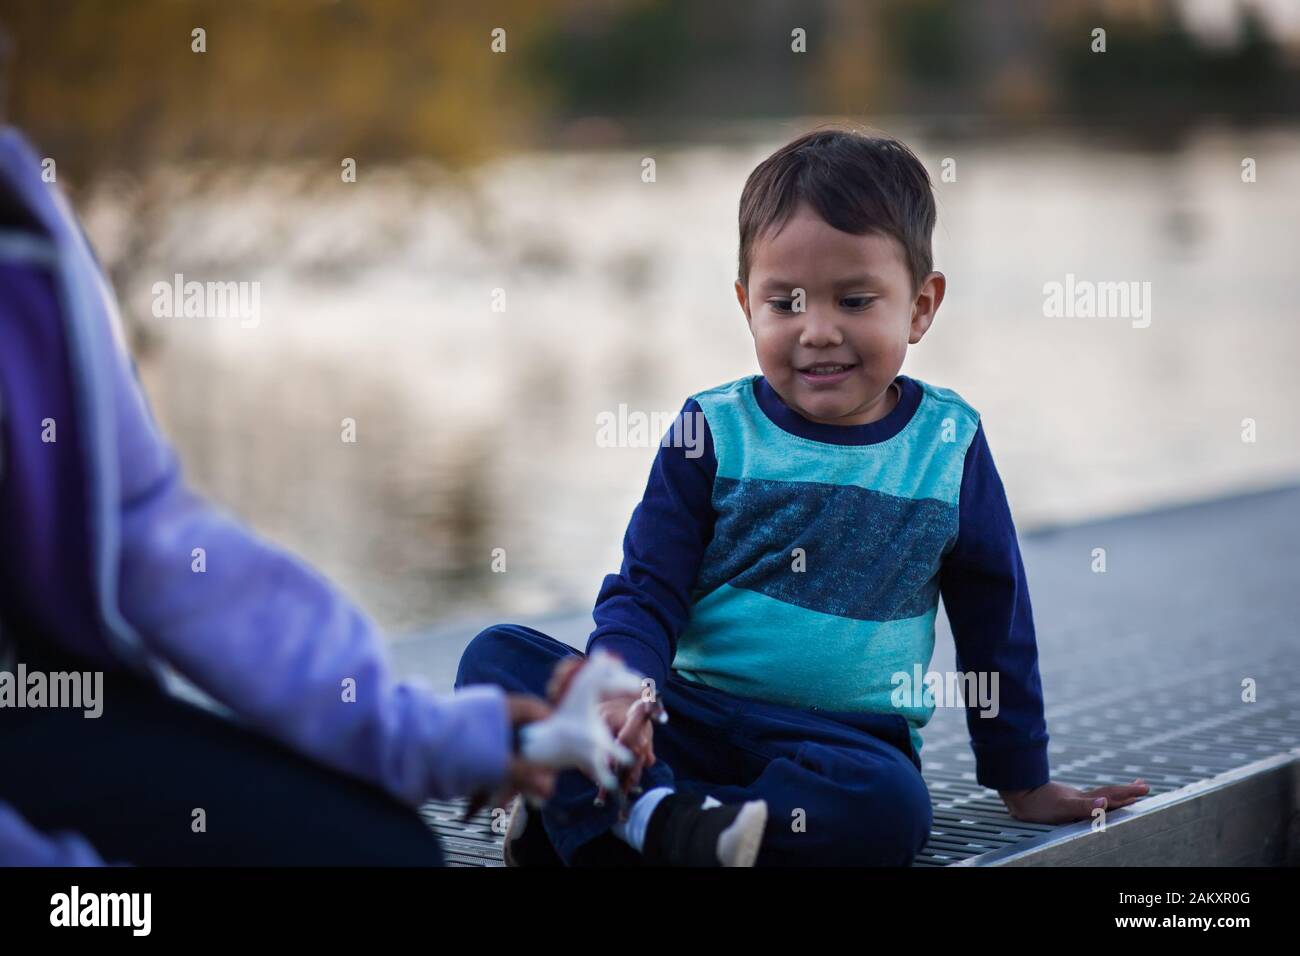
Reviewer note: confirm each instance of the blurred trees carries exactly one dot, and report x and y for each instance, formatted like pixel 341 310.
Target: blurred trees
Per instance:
pixel 111 84
pixel 107 84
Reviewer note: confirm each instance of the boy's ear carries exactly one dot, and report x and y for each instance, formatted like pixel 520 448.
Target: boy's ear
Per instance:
pixel 926 304
pixel 743 298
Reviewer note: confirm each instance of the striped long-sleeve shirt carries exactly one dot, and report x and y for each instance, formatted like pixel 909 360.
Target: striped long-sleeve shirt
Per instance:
pixel 786 560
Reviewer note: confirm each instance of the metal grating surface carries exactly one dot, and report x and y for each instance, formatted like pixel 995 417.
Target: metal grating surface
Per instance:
pixel 470 843
pixel 1142 667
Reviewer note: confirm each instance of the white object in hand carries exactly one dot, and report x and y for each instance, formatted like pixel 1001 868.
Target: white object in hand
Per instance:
pixel 575 735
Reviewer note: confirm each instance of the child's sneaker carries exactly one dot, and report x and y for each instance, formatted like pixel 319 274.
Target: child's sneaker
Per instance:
pixel 684 832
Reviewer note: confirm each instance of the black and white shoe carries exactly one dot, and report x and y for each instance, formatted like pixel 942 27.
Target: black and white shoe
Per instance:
pixel 682 832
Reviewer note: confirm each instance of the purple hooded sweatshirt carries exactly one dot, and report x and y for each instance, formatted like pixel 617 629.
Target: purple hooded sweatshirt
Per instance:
pixel 97 531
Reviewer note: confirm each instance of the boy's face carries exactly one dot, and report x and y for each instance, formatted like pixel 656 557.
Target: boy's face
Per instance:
pixel 834 361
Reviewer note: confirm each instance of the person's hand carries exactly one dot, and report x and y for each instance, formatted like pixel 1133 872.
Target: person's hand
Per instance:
pixel 533 780
pixel 614 711
pixel 1058 803
pixel 629 719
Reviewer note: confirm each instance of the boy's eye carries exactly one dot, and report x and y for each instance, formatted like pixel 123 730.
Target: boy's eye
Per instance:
pixel 857 303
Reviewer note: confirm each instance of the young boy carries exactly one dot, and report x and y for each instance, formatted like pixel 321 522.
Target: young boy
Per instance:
pixel 774 584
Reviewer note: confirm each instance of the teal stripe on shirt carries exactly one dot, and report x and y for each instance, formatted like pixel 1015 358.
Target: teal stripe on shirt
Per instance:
pixel 924 460
pixel 740 641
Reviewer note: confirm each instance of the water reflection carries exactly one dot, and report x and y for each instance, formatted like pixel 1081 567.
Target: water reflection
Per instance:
pixel 476 428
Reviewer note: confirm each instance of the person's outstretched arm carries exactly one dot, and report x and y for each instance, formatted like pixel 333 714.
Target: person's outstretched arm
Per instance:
pixel 258 630
pixel 986 596
pixel 277 643
pixel 267 636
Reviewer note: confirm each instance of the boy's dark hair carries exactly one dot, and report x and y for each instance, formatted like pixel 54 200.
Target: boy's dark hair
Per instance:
pixel 857 182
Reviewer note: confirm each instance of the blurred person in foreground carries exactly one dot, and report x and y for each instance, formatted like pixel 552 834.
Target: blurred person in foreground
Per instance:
pixel 320 756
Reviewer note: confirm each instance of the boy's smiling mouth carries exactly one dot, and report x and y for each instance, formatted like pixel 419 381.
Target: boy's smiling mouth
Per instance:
pixel 826 373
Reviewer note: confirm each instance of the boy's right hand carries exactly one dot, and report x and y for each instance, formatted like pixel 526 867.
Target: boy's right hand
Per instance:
pixel 626 716
pixel 628 719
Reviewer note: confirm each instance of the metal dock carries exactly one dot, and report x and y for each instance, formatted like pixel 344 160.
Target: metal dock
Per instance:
pixel 1143 670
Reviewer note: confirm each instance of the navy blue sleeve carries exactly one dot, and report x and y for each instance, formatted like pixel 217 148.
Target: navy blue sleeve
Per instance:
pixel 982 581
pixel 641 611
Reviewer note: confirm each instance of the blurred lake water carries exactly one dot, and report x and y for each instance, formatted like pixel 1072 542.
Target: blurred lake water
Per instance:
pixel 476 429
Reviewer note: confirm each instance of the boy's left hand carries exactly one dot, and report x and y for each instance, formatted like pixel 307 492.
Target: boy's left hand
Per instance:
pixel 1058 803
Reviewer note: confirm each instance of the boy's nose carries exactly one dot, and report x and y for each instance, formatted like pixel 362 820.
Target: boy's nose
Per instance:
pixel 819 332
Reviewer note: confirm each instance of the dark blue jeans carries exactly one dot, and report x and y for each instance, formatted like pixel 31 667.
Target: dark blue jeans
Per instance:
pixel 841 788
pixel 130 779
